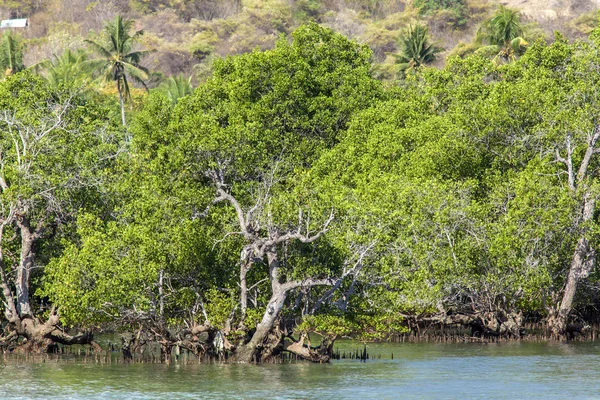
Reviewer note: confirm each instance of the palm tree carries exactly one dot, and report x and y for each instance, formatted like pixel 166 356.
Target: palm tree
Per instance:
pixel 11 53
pixel 69 69
pixel 176 87
pixel 118 62
pixel 415 49
pixel 504 33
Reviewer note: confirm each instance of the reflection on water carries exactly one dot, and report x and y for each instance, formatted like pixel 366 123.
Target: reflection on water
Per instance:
pixel 418 371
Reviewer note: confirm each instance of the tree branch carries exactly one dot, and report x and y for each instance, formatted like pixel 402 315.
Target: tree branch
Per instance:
pixel 568 163
pixel 304 238
pixel 308 282
pixel 585 163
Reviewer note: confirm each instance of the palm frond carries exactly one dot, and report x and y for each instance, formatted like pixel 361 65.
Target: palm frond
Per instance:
pixel 135 71
pixel 136 56
pixel 98 48
pixel 503 27
pixel 11 53
pixel 518 43
pixel 71 68
pixel 177 87
pixel 415 48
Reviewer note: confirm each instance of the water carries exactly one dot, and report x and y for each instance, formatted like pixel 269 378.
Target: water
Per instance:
pixel 418 371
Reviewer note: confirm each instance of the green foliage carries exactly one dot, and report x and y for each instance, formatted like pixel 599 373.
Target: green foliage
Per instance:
pixel 327 325
pixel 362 327
pixel 505 26
pixel 289 102
pixel 150 233
pixel 60 139
pixel 56 149
pixel 69 69
pixel 12 49
pixel 218 307
pixel 177 87
pixel 258 113
pixel 451 192
pixel 100 277
pixel 457 8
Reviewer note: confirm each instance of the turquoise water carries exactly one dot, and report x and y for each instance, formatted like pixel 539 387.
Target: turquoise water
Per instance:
pixel 418 371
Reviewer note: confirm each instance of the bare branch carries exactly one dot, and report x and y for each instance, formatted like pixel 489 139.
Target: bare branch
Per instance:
pixel 568 163
pixel 304 238
pixel 308 282
pixel 591 149
pixel 225 196
pixel 257 283
pixel 357 265
pixel 225 237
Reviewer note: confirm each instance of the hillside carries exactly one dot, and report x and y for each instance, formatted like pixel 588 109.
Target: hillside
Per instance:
pixel 188 35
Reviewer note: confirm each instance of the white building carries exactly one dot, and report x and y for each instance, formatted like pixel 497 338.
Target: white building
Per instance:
pixel 14 23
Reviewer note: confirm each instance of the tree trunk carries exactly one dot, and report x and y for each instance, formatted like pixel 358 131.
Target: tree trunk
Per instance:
pixel 10 311
pixel 42 337
pixel 23 273
pixel 243 292
pixel 252 350
pixel 582 264
pixel 161 297
pixel 121 102
pixel 165 352
pixel 39 337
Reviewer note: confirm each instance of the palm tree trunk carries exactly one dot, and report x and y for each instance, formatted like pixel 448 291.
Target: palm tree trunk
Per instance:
pixel 121 101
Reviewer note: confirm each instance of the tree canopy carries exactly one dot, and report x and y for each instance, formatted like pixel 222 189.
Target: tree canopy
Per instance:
pixel 292 193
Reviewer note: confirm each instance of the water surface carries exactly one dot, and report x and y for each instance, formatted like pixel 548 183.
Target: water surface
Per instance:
pixel 418 371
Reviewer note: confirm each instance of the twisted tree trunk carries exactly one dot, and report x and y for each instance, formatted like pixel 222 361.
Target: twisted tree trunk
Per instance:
pixel 265 340
pixel 582 264
pixel 38 336
pixel 43 336
pixel 24 272
pixel 252 350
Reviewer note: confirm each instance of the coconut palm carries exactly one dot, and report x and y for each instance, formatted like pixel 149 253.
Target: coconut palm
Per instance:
pixel 71 68
pixel 118 62
pixel 415 48
pixel 176 87
pixel 504 32
pixel 11 53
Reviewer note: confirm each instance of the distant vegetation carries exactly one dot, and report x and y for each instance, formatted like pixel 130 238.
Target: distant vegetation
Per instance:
pixel 189 35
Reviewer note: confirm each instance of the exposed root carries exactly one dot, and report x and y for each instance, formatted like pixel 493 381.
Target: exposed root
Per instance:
pixel 321 354
pixel 42 337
